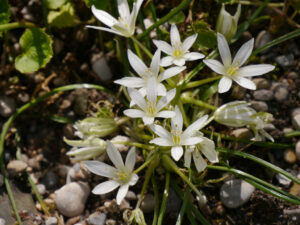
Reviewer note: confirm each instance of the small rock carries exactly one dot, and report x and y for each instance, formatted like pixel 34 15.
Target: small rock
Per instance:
pixel 281 93
pixel 1 180
pixel 148 203
pixel 68 131
pixel 259 106
pixel 263 95
pixel 124 205
pixel 173 202
pixel 287 130
pixel 63 171
pixel 235 193
pixel 294 214
pixel 269 127
pixel 110 222
pixel 242 133
pixel 238 92
pixel 292 75
pixel 96 218
pixel 220 209
pixel 77 173
pixel 295 189
pixel 296 121
pixel 16 166
pixel 121 138
pixel 296 111
pixel 58 45
pixel 111 206
pixel 81 101
pixel 7 106
pixel 297 150
pixel 34 163
pixel 100 67
pixel 285 60
pixel 50 180
pixel 294 48
pixel 2 221
pixel 51 221
pixel 261 83
pixel 41 188
pixel 283 180
pixel 289 156
pixel 70 199
pixel 131 196
pixel 263 38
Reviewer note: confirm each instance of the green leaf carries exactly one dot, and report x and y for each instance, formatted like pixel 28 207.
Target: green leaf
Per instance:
pixel 65 17
pixel 296 5
pixel 4 13
pixel 37 48
pixel 55 4
pixel 206 39
pixel 99 4
pixel 200 25
pixel 210 91
pixel 178 18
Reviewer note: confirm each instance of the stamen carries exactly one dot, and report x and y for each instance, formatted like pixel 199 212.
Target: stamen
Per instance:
pixel 150 108
pixel 122 177
pixel 232 70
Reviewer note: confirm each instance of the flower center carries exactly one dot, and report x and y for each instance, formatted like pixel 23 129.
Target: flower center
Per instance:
pixel 150 108
pixel 177 53
pixel 232 70
pixel 122 176
pixel 176 136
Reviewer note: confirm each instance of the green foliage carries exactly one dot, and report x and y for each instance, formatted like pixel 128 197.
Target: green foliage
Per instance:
pixel 296 5
pixel 4 13
pixel 178 18
pixel 65 17
pixel 99 4
pixel 55 4
pixel 227 1
pixel 206 39
pixel 37 48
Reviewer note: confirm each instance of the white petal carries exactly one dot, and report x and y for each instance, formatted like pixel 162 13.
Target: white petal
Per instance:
pixel 177 121
pixel 187 158
pixel 163 46
pixel 246 83
pixel 155 62
pixel 197 125
pixel 176 152
pixel 174 35
pixel 130 159
pixel 134 179
pixel 100 168
pixel 224 50
pixel 166 114
pixel 160 131
pixel 166 99
pixel 122 193
pixel 148 120
pixel 137 98
pixel 191 140
pixel 133 82
pixel 151 90
pixel 104 17
pixel 134 113
pixel 123 9
pixel 243 53
pixel 166 61
pixel 191 56
pixel 135 10
pixel 214 65
pixel 171 72
pixel 224 84
pixel 267 135
pixel 208 149
pixel 188 42
pixel 161 142
pixel 255 70
pixel 179 62
pixel 114 155
pixel 105 29
pixel 136 63
pixel 105 187
pixel 200 163
pixel 162 91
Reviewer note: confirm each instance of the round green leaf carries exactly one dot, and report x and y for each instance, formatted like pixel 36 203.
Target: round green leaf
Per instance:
pixel 37 50
pixel 65 17
pixel 55 4
pixel 206 39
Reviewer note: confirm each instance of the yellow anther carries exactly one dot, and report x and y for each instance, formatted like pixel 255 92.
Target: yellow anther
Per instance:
pixel 122 176
pixel 232 70
pixel 150 108
pixel 177 53
pixel 176 139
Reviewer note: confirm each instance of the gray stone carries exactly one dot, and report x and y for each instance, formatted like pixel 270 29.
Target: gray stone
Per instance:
pixel 81 101
pixel 96 218
pixel 7 106
pixel 263 38
pixel 294 214
pixel 259 106
pixel 131 196
pixel 41 188
pixel 51 221
pixel 242 133
pixel 261 83
pixel 50 180
pixel 285 60
pixel 235 193
pixel 121 138
pixel 148 203
pixel 281 93
pixel 296 121
pixel 2 221
pixel 263 95
pixel 296 111
pixel 269 127
pixel 16 166
pixel 100 67
pixel 282 180
pixel 173 202
pixel 287 130
pixel 70 199
pixel 292 75
pixel 297 150
pixel 238 92
pixel 289 156
pixel 110 222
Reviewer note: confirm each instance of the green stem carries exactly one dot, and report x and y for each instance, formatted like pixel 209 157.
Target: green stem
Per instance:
pixel 156 198
pixel 15 25
pixel 164 200
pixel 188 99
pixel 137 50
pixel 120 121
pixel 279 4
pixel 293 134
pixel 144 165
pixel 147 52
pixel 186 121
pixel 201 82
pixel 164 19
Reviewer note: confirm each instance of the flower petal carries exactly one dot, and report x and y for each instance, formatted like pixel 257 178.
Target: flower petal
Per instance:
pixel 179 61
pixel 100 168
pixel 191 56
pixel 171 72
pixel 255 70
pixel 161 90
pixel 151 90
pixel 191 140
pixel 114 155
pixel 122 193
pixel 166 99
pixel 105 187
pixel 214 65
pixel 176 152
pixel 246 83
pixel 161 142
pixel 134 179
pixel 134 113
pixel 243 53
pixel 177 121
pixel 200 163
pixel 160 131
pixel 148 120
pixel 166 61
pixel 208 149
pixel 195 126
pixel 166 114
pixel 224 50
pixel 137 98
pixel 135 10
pixel 174 35
pixel 133 82
pixel 163 46
pixel 123 9
pixel 136 63
pixel 105 29
pixel 187 158
pixel 224 84
pixel 155 62
pixel 104 17
pixel 188 42
pixel 130 159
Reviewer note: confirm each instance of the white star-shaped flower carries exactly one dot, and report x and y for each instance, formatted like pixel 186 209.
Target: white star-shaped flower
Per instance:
pixel 150 108
pixel 178 53
pixel 232 70
pixel 121 175
pixel 178 138
pixel 125 25
pixel 145 73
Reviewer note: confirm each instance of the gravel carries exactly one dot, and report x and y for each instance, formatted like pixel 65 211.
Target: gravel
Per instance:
pixel 263 95
pixel 7 106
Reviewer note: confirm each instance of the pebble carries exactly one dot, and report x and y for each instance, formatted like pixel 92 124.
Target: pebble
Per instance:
pixel 1 180
pixel 7 106
pixel 16 166
pixel 51 221
pixel 263 38
pixel 261 83
pixel 121 138
pixel 100 67
pixel 238 92
pixel 289 156
pixel 50 180
pixel 77 173
pixel 2 221
pixel 259 106
pixel 263 95
pixel 34 162
pixel 294 214
pixel 173 202
pixel 58 45
pixel 41 188
pixel 148 203
pixel 81 101
pixel 296 121
pixel 242 133
pixel 96 218
pixel 296 111
pixel 281 93
pixel 292 75
pixel 283 180
pixel 111 222
pixel 285 60
pixel 287 130
pixel 235 193
pixel 297 150
pixel 131 196
pixel 70 199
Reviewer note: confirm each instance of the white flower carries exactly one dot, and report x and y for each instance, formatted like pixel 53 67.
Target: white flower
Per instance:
pixel 144 72
pixel 206 147
pixel 121 176
pixel 151 108
pixel 261 121
pixel 178 138
pixel 178 53
pixel 232 70
pixel 125 25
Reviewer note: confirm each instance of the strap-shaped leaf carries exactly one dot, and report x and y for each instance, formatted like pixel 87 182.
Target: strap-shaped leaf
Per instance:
pixel 4 13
